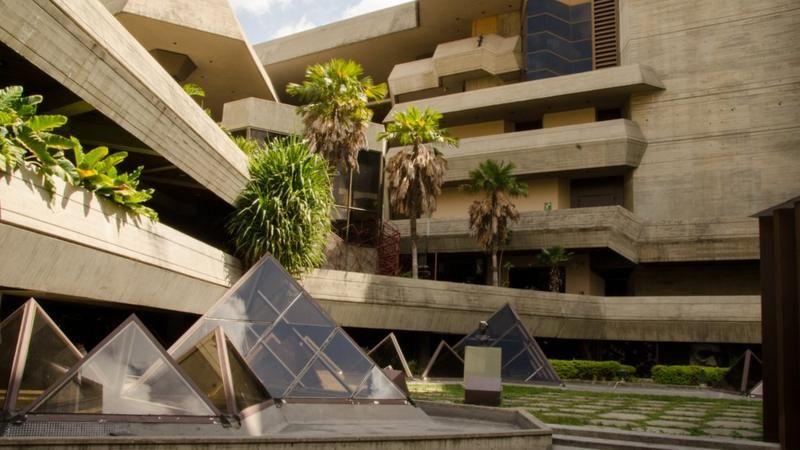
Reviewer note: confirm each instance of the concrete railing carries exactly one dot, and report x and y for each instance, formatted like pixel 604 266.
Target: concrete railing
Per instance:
pixel 491 54
pixel 374 301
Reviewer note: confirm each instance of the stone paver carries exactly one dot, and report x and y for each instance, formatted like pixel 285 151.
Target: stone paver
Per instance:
pixel 681 418
pixel 613 423
pixel 684 412
pixel 623 416
pixel 733 425
pixel 577 411
pixel 666 430
pixel 670 424
pixel 727 432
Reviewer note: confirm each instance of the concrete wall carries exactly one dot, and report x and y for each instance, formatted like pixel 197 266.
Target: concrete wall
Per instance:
pixel 581 280
pixel 571 117
pixel 83 47
pixel 722 278
pixel 724 136
pixel 374 301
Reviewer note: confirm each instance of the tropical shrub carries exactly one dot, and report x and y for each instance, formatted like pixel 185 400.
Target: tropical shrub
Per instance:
pixel 688 375
pixel 335 112
pixel 28 140
pixel 554 258
pixel 285 207
pixel 592 370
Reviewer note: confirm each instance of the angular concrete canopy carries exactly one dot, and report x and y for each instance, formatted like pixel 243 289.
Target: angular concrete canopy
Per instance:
pixel 206 32
pixel 408 31
pixel 529 99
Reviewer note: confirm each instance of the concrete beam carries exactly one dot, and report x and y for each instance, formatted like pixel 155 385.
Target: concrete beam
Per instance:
pixel 79 245
pixel 374 301
pixel 85 49
pixel 561 92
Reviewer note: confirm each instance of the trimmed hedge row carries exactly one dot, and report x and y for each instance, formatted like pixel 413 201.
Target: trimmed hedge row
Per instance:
pixel 592 370
pixel 688 375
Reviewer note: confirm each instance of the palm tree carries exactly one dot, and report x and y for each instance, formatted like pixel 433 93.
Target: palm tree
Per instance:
pixel 415 174
pixel 335 112
pixel 554 257
pixel 489 217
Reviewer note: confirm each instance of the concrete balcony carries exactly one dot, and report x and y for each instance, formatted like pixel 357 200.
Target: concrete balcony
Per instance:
pixel 373 301
pixel 615 146
pixel 612 227
pixel 606 87
pixel 81 246
pixel 489 55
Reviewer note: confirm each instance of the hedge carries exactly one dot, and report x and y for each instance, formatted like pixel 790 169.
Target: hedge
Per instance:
pixel 592 370
pixel 688 375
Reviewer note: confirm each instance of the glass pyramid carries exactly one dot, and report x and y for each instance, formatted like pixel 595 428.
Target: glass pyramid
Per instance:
pixel 292 346
pixel 34 354
pixel 445 363
pixel 220 372
pixel 744 374
pixel 522 358
pixel 387 352
pixel 129 374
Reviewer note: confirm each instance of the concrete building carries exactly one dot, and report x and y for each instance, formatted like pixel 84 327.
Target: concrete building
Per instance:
pixel 648 133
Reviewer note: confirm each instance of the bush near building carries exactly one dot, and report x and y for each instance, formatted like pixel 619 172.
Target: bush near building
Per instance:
pixel 688 375
pixel 592 370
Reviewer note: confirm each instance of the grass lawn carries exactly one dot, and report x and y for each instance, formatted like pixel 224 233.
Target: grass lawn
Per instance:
pixel 654 413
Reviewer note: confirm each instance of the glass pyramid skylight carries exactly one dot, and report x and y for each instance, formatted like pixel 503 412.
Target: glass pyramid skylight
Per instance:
pixel 522 358
pixel 127 374
pixel 34 354
pixel 293 347
pixel 220 372
pixel 387 352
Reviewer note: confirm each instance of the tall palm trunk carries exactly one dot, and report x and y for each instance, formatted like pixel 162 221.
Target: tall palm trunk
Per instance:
pixel 495 275
pixel 414 263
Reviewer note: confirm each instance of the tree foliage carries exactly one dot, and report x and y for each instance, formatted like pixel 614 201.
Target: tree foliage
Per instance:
pixel 416 172
pixel 489 216
pixel 554 258
pixel 334 111
pixel 285 207
pixel 29 140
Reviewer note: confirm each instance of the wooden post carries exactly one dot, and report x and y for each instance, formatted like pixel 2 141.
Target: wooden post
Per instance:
pixel 769 337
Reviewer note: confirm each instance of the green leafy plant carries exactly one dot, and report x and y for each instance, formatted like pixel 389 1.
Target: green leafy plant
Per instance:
pixel 688 375
pixel 592 370
pixel 248 146
pixel 554 258
pixel 415 173
pixel 198 94
pixel 97 172
pixel 285 207
pixel 28 140
pixel 489 216
pixel 335 111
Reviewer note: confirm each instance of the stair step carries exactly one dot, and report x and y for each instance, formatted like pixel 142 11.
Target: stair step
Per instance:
pixel 562 441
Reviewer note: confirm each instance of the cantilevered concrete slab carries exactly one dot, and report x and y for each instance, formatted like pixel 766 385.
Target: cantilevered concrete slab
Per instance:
pixel 84 48
pixel 374 301
pixel 408 30
pixel 609 147
pixel 612 227
pixel 78 245
pixel 612 86
pixel 208 34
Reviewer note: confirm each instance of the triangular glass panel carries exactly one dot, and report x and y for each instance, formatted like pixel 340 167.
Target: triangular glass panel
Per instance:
pixel 37 354
pixel 128 373
pixel 292 346
pixel 220 373
pixel 506 330
pixel 743 375
pixel 445 363
pixel 378 387
pixel 387 353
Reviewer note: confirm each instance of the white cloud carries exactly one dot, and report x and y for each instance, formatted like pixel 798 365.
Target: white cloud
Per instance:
pixel 258 7
pixel 292 28
pixel 368 6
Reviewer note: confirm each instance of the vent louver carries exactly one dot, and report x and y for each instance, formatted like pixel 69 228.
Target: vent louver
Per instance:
pixel 605 28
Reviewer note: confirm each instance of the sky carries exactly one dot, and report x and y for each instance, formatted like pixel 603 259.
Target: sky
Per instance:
pixel 263 20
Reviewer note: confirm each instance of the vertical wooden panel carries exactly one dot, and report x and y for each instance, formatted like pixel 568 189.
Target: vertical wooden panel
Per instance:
pixel 787 312
pixel 769 317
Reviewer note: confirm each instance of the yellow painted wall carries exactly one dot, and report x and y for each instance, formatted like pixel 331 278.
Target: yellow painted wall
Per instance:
pixel 574 2
pixel 454 202
pixel 482 83
pixel 482 129
pixel 484 25
pixel 580 279
pixel 572 117
pixel 505 25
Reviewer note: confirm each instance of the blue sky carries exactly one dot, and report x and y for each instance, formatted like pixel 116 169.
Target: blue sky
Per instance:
pixel 263 20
